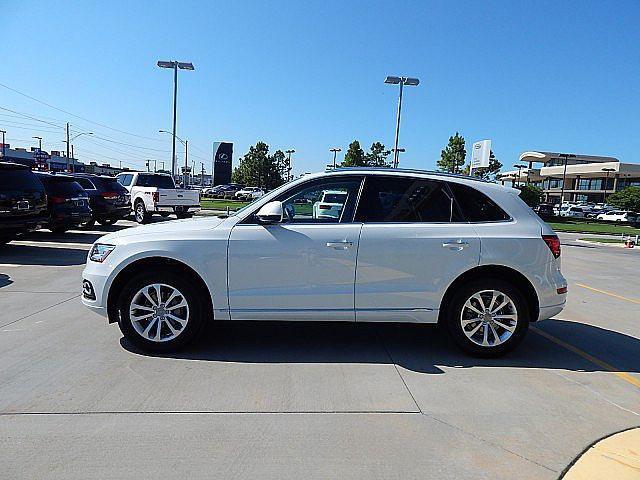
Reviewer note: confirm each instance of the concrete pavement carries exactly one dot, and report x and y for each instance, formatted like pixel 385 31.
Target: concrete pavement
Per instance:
pixel 305 400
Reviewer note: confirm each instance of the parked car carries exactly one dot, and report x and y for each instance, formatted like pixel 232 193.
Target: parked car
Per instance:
pixel 249 193
pixel 23 201
pixel 67 202
pixel 618 216
pixel 156 193
pixel 330 204
pixel 545 210
pixel 109 201
pixel 573 211
pixel 439 249
pixel 227 191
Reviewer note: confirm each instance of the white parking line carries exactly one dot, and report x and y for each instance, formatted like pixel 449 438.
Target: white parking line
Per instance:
pixel 35 243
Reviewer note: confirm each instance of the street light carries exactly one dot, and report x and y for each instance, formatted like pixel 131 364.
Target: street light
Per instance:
pixel 396 154
pixel 519 167
pixel 289 152
pixel 186 156
pixel 69 143
pixel 566 157
pixel 39 142
pixel 606 183
pixel 182 66
pixel 335 151
pixel 402 81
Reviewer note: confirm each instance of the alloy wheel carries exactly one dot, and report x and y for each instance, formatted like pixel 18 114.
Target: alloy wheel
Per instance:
pixel 159 312
pixel 489 318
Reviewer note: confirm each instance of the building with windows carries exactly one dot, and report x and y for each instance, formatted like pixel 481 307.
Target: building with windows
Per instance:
pixel 574 177
pixel 55 161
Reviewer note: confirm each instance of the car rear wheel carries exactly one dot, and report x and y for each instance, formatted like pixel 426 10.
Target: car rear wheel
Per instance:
pixel 59 229
pixel 488 318
pixel 160 311
pixel 107 221
pixel 140 213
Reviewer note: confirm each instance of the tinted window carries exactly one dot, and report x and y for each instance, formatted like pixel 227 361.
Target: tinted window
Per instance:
pixel 304 204
pixel 18 180
pixel 109 184
pixel 85 183
pixel 151 180
pixel 64 186
pixel 125 179
pixel 406 199
pixel 476 206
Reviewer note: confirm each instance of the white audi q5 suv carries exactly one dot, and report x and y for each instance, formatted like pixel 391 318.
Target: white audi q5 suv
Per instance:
pixel 405 246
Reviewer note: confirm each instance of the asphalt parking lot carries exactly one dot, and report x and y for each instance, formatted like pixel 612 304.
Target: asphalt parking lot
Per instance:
pixel 275 400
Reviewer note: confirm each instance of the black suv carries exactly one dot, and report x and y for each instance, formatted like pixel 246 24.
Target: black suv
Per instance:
pixel 109 201
pixel 23 202
pixel 68 203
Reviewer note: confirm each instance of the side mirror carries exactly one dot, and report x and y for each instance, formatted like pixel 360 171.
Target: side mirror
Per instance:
pixel 271 213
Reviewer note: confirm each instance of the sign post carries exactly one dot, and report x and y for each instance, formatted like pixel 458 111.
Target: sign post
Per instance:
pixel 480 155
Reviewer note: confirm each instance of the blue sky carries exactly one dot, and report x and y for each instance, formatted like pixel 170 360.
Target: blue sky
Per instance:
pixel 548 75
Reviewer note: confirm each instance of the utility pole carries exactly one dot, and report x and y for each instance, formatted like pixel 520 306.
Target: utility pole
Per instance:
pixel 147 165
pixel 155 165
pixel 289 152
pixel 4 149
pixel 186 163
pixel 68 168
pixel 335 151
pixel 566 157
pixel 202 174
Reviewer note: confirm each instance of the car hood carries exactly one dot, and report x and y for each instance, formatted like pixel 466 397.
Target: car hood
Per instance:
pixel 163 229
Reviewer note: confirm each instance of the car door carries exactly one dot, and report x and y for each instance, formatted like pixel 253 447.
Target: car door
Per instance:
pixel 413 244
pixel 302 269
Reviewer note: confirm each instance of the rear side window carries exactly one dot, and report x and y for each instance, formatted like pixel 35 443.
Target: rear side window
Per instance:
pixel 18 179
pixel 151 180
pixel 405 199
pixel 476 206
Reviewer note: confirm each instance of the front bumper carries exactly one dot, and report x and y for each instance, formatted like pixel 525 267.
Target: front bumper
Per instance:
pixel 98 301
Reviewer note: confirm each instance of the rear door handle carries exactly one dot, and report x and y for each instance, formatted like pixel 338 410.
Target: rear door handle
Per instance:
pixel 455 245
pixel 343 245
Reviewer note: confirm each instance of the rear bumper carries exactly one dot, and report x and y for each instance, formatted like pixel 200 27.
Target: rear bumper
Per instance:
pixel 111 211
pixel 548 312
pixel 23 225
pixel 178 209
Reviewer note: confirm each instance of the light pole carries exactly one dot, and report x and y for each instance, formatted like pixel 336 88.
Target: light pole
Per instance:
pixel 606 183
pixel 335 151
pixel 289 152
pixel 39 142
pixel 4 132
pixel 519 167
pixel 69 143
pixel 182 66
pixel 566 157
pixel 186 155
pixel 396 154
pixel 402 81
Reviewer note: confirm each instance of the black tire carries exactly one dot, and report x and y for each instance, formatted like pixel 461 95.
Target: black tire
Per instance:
pixel 181 215
pixel 5 240
pixel 107 221
pixel 140 212
pixel 192 294
pixel 59 229
pixel 165 214
pixel 454 311
pixel 88 225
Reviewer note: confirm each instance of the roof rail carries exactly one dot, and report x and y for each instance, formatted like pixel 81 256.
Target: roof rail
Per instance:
pixel 407 170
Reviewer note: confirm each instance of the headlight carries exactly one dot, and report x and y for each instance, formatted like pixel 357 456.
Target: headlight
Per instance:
pixel 100 252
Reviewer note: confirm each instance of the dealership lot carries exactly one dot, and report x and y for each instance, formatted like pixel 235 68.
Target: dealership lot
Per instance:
pixel 307 400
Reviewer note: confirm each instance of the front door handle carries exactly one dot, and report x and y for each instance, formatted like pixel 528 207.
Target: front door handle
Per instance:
pixel 455 245
pixel 343 245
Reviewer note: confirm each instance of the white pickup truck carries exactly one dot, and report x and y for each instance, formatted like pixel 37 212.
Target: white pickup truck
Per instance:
pixel 153 193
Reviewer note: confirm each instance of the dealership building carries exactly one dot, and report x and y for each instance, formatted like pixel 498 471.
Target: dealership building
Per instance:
pixel 575 177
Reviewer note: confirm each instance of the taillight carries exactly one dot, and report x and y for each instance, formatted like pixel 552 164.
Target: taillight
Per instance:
pixel 57 199
pixel 110 195
pixel 156 196
pixel 553 242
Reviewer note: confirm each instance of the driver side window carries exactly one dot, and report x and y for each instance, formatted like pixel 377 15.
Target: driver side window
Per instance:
pixel 329 200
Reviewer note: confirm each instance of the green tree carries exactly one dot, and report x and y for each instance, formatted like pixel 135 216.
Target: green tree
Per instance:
pixel 627 199
pixel 453 157
pixel 258 168
pixel 531 195
pixel 355 156
pixel 486 173
pixel 377 155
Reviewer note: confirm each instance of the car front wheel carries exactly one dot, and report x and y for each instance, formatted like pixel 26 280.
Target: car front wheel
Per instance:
pixel 488 318
pixel 140 213
pixel 160 311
